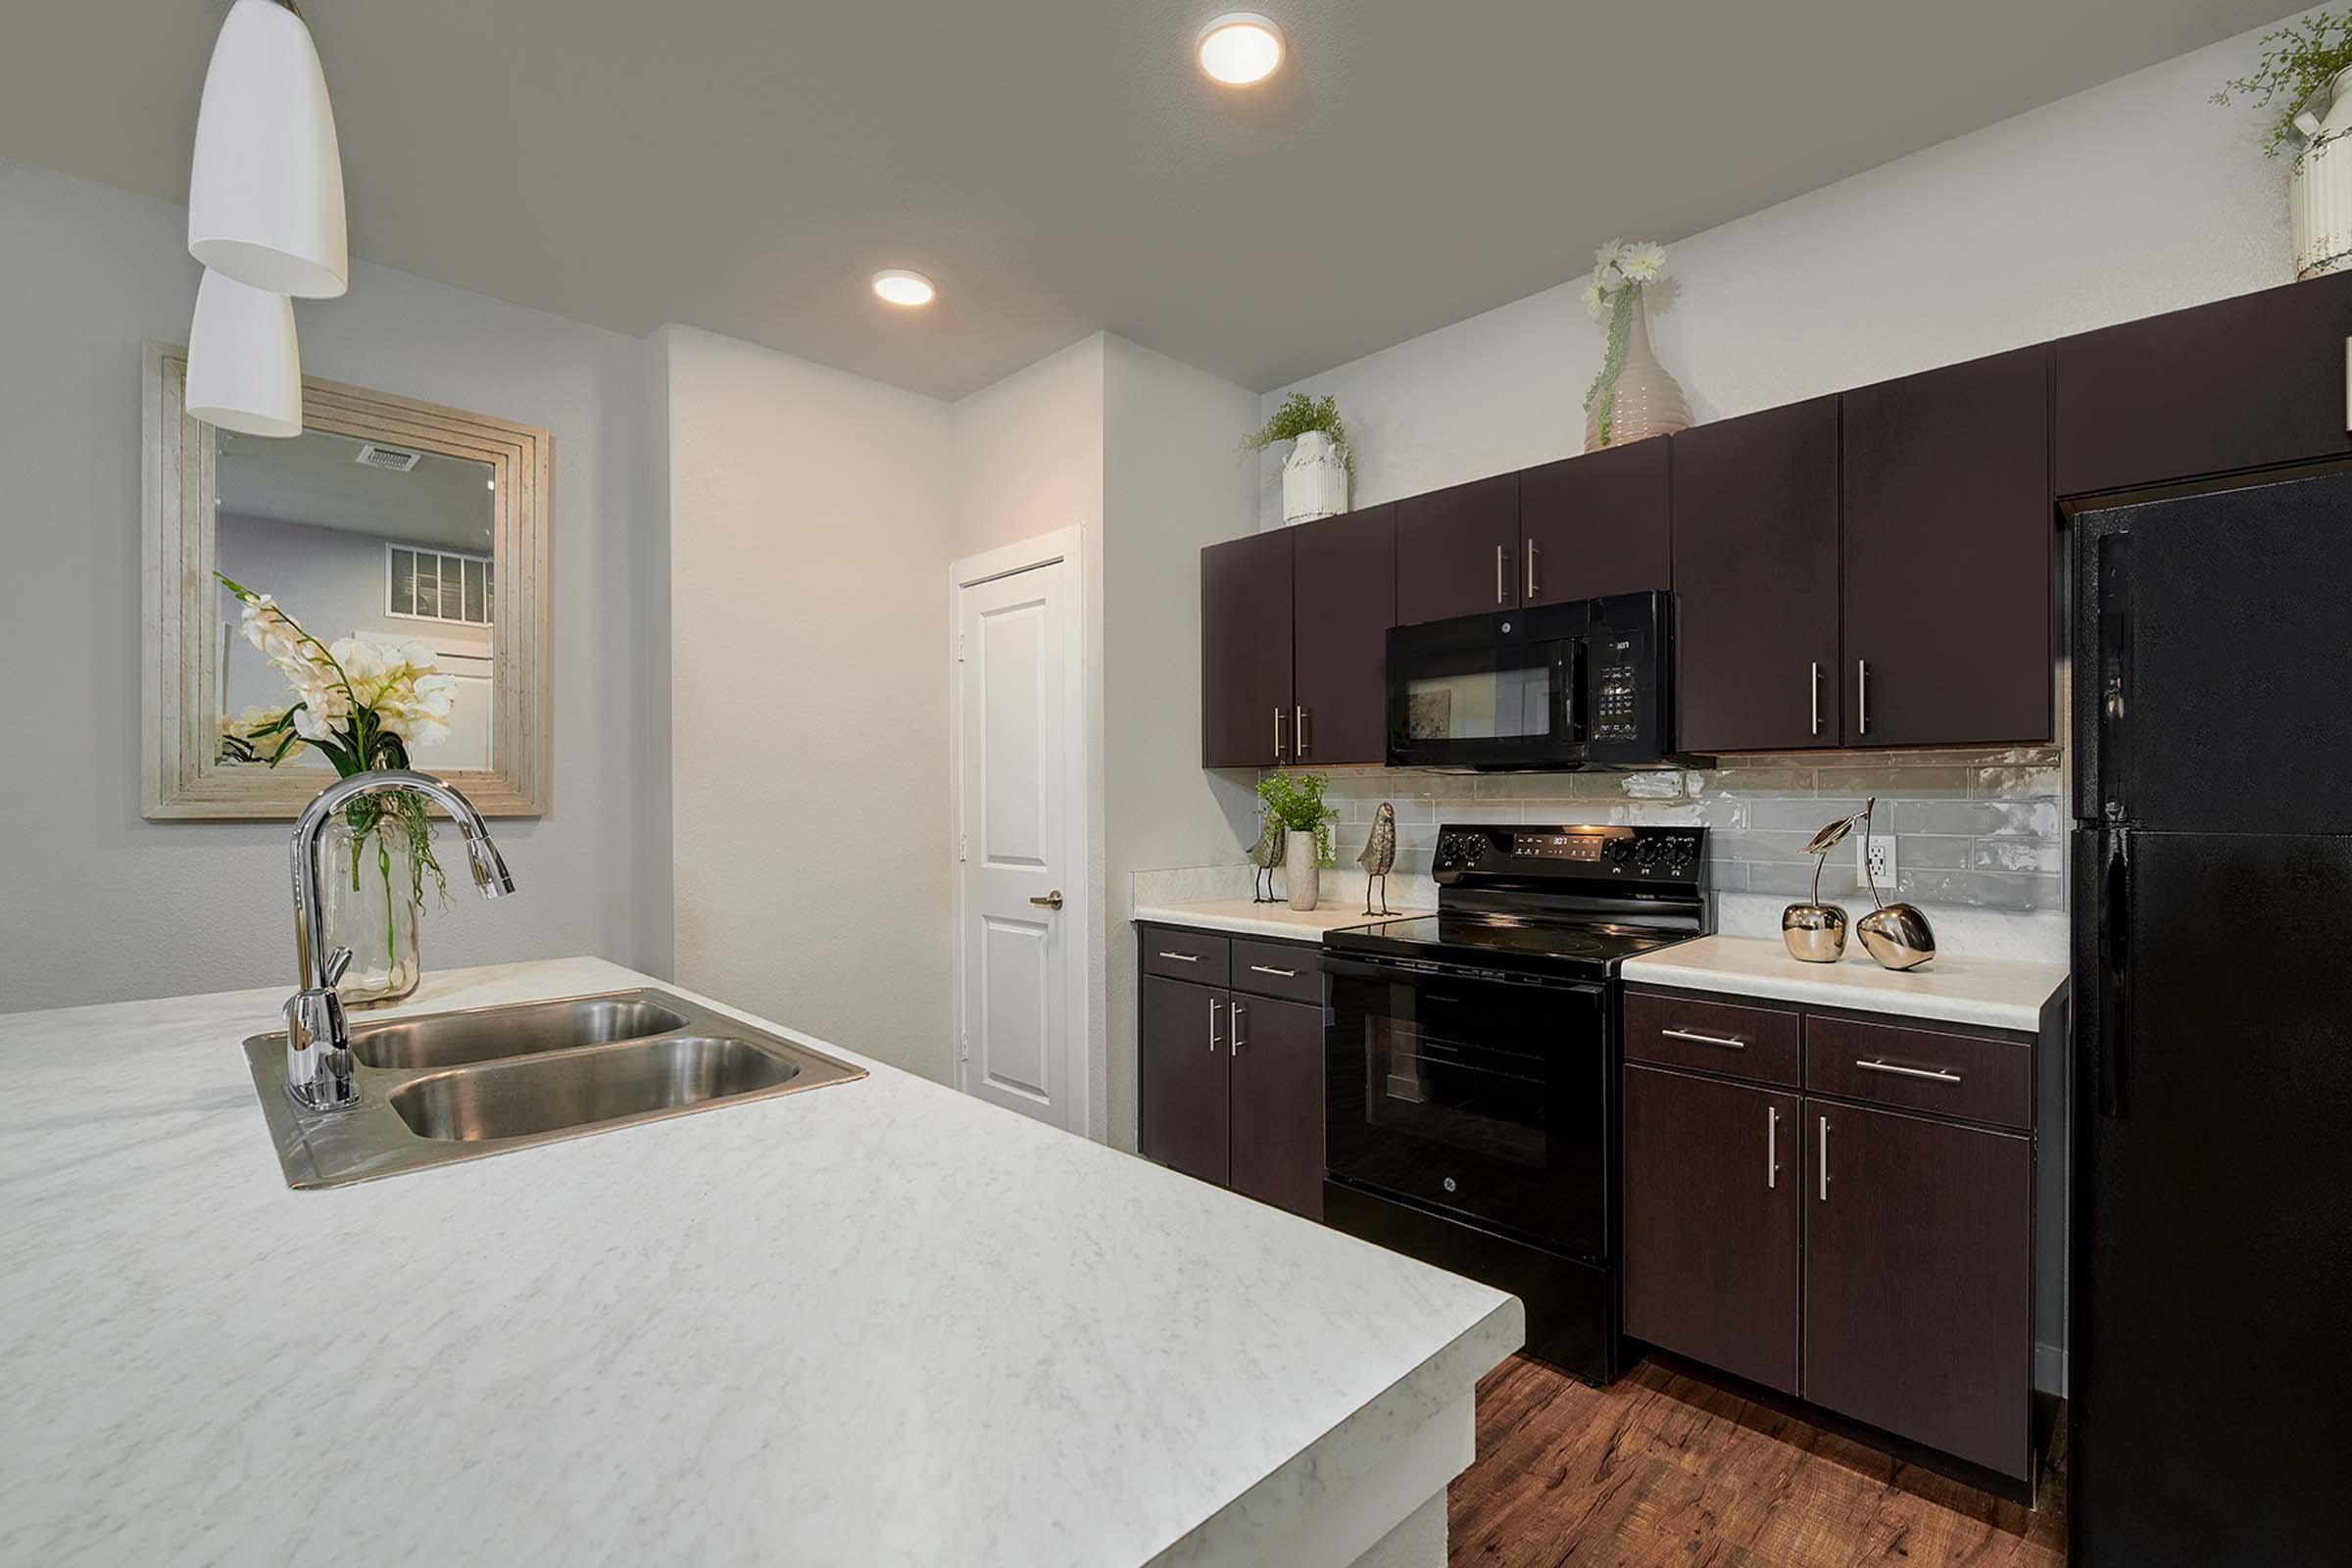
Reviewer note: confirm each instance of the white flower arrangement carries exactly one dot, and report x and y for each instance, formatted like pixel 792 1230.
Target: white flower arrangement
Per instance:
pixel 359 704
pixel 1621 270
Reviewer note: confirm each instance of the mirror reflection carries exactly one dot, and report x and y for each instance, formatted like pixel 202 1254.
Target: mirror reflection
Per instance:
pixel 366 540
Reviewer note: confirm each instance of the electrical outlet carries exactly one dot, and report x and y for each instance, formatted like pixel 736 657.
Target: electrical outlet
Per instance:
pixel 1873 861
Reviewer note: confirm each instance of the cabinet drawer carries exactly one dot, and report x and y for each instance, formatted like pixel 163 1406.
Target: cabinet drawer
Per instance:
pixel 1204 958
pixel 1921 1069
pixel 1738 1042
pixel 1278 969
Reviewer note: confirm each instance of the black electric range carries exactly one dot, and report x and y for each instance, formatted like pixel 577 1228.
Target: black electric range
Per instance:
pixel 1470 1064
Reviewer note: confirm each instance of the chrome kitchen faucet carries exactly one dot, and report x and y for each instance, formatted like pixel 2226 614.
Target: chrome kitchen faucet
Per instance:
pixel 318 1073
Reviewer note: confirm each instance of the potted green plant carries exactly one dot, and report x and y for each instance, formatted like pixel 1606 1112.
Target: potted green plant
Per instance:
pixel 1296 800
pixel 2303 75
pixel 1314 476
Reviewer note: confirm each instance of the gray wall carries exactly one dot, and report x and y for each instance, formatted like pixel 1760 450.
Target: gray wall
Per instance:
pixel 101 905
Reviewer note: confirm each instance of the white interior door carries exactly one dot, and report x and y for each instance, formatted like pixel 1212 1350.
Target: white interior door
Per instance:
pixel 1019 908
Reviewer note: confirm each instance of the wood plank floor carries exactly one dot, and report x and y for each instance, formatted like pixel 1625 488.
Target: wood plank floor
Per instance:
pixel 1660 1468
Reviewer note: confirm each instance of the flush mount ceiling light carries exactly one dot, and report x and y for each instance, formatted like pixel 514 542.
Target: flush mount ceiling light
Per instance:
pixel 244 369
pixel 901 287
pixel 1240 47
pixel 265 189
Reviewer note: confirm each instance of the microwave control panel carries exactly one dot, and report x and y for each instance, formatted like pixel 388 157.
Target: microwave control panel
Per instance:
pixel 1616 689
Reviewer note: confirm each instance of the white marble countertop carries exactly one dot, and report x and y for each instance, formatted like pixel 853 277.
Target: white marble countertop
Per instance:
pixel 1278 920
pixel 1998 993
pixel 878 1322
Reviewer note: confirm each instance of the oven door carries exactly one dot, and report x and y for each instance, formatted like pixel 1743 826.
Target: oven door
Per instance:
pixel 1484 1096
pixel 1487 691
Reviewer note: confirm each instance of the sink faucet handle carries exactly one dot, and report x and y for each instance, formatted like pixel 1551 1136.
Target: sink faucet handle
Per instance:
pixel 337 960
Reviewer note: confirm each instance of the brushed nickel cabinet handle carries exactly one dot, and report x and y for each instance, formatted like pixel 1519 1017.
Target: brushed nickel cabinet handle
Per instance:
pixel 1214 1003
pixel 1241 1015
pixel 1299 745
pixel 1531 571
pixel 1501 594
pixel 1824 1159
pixel 1268 969
pixel 1181 957
pixel 2348 385
pixel 1817 697
pixel 1772 1146
pixel 1278 734
pixel 1862 691
pixel 1727 1042
pixel 1939 1074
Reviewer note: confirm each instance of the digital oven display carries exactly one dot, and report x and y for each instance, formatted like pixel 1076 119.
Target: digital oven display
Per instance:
pixel 1558 846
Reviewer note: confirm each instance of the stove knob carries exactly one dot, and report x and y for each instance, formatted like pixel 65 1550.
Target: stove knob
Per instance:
pixel 1618 849
pixel 1646 856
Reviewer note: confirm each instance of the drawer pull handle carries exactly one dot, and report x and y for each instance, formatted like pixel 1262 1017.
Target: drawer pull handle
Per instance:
pixel 1181 957
pixel 1268 969
pixel 1727 1042
pixel 1939 1074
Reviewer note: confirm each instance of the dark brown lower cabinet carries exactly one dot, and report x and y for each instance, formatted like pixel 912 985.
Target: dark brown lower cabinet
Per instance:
pixel 1186 1078
pixel 1230 1083
pixel 1277 1104
pixel 1711 1218
pixel 1919 1279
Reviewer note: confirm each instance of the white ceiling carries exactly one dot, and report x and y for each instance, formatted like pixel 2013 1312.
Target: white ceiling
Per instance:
pixel 1059 165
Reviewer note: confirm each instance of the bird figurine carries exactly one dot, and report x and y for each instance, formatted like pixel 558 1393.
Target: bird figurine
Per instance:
pixel 1266 854
pixel 1379 853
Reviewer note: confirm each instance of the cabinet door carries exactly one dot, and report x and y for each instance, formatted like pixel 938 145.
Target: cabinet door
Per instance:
pixel 1186 1078
pixel 1711 1216
pixel 1595 525
pixel 1457 551
pixel 1344 595
pixel 1950 539
pixel 2242 383
pixel 1246 652
pixel 1755 580
pixel 1917 1260
pixel 1278 1102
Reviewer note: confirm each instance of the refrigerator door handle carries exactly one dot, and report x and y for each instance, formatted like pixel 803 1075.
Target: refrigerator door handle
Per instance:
pixel 2114 973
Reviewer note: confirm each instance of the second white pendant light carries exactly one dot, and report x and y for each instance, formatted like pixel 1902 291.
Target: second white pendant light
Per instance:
pixel 265 191
pixel 244 365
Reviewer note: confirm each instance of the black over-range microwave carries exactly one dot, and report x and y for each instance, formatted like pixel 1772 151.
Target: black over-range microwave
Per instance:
pixel 1586 684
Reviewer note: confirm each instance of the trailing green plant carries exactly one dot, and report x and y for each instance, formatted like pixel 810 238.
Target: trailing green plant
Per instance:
pixel 1296 800
pixel 2293 62
pixel 1298 415
pixel 1620 271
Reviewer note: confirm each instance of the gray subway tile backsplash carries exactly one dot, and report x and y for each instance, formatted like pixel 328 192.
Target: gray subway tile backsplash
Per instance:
pixel 1983 829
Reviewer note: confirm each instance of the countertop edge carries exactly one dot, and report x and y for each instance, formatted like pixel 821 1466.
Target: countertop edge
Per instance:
pixel 1289 926
pixel 1894 992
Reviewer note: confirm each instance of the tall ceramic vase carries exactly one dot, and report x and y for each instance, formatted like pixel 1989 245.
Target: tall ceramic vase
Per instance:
pixel 1299 877
pixel 1314 479
pixel 2319 189
pixel 1645 401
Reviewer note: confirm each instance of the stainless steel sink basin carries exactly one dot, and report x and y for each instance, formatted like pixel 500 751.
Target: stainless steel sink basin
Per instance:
pixel 454 1038
pixel 517 1099
pixel 453 1086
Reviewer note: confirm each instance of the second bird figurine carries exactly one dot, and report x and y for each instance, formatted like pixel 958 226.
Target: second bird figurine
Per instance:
pixel 1265 855
pixel 1379 853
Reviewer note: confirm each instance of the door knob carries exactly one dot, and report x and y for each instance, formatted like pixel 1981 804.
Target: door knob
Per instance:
pixel 1052 901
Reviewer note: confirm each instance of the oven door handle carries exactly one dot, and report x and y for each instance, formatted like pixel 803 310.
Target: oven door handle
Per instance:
pixel 1360 967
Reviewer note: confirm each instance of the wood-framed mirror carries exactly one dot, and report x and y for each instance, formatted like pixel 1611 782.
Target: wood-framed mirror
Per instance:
pixel 387 518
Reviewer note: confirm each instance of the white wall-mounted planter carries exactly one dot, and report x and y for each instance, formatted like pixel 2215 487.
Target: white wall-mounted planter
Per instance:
pixel 2319 189
pixel 1314 479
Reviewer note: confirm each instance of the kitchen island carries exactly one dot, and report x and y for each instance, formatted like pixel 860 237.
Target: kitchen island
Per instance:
pixel 876 1322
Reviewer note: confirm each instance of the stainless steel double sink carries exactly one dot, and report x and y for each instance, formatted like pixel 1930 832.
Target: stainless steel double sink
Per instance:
pixel 450 1086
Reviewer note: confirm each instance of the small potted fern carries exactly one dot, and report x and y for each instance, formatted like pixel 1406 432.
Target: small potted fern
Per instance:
pixel 2302 82
pixel 1296 802
pixel 1315 473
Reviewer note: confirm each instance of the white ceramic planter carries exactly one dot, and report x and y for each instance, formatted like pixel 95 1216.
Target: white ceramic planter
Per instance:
pixel 1300 876
pixel 1314 479
pixel 1646 401
pixel 2319 189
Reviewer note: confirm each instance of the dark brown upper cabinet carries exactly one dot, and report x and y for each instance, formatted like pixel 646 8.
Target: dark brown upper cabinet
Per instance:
pixel 1948 577
pixel 1246 711
pixel 1344 601
pixel 1711 1226
pixel 2242 383
pixel 1595 525
pixel 1755 580
pixel 1918 1280
pixel 1457 551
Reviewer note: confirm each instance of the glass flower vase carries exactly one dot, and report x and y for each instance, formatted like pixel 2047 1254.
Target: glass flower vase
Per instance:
pixel 371 908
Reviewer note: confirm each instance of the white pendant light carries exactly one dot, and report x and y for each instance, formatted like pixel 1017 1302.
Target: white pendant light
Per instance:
pixel 265 191
pixel 244 371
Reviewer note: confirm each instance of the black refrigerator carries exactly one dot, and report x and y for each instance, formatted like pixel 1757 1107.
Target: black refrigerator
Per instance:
pixel 2210 1345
